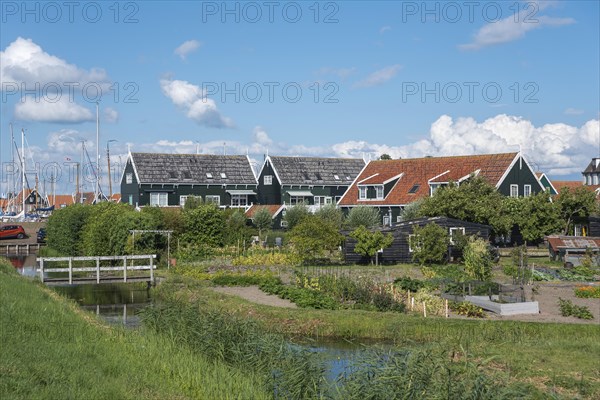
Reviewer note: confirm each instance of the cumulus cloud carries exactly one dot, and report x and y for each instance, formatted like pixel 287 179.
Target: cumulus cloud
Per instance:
pixel 194 102
pixel 557 149
pixel 513 28
pixel 60 111
pixel 379 77
pixel 186 48
pixel 110 115
pixel 24 61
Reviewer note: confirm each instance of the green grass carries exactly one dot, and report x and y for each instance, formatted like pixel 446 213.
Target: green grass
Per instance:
pixel 50 349
pixel 550 355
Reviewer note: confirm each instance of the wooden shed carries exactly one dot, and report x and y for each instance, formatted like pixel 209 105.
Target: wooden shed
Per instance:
pixel 400 251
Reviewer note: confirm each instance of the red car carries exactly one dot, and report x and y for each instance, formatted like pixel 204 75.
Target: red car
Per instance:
pixel 12 232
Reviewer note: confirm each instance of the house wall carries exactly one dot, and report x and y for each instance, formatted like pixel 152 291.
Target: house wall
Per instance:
pixel 399 252
pixel 176 190
pixel 269 194
pixel 131 189
pixel 520 176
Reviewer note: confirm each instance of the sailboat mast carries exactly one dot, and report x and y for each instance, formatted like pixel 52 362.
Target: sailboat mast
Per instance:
pixel 23 170
pixel 97 190
pixel 13 178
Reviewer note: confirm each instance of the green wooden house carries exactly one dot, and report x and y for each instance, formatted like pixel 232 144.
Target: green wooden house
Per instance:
pixel 168 180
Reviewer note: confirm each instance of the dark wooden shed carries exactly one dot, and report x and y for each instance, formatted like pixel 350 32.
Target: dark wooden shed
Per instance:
pixel 400 252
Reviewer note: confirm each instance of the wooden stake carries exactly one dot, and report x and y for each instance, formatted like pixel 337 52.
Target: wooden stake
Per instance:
pixel 447 313
pixel 424 310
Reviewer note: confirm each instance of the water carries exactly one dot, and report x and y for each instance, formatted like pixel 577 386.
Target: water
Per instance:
pixel 117 304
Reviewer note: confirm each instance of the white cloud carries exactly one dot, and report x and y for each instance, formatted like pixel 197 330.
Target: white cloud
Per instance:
pixel 110 115
pixel 384 29
pixel 61 111
pixel 379 77
pixel 513 28
pixel 557 149
pixel 341 73
pixel 573 111
pixel 193 101
pixel 23 61
pixel 186 48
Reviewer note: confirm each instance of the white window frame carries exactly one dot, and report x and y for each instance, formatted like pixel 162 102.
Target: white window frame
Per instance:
pixel 239 200
pixel 514 190
pixel 129 178
pixel 284 223
pixel 294 200
pixel 379 192
pixel 160 199
pixel 416 246
pixel 212 199
pixel 595 179
pixel 362 193
pixel 456 229
pixel 268 180
pixel 526 190
pixel 386 220
pixel 323 200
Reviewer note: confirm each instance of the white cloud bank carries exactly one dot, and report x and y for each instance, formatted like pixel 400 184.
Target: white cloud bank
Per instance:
pixel 60 111
pixel 557 149
pixel 193 101
pixel 379 77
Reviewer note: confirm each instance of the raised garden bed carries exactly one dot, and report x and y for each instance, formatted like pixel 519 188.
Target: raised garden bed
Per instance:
pixel 516 308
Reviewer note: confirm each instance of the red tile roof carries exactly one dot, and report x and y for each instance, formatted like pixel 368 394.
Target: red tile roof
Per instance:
pixel 273 209
pixel 419 171
pixel 572 185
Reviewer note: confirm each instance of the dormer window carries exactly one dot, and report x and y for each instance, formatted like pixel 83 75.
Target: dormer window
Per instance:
pixel 209 175
pixel 379 192
pixel 223 175
pixel 362 193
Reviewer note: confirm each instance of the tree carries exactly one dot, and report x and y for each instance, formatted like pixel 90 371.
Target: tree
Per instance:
pixel 580 202
pixel 474 200
pixel 538 217
pixel 330 213
pixel 204 226
pixel 237 228
pixel 363 216
pixel 368 243
pixel 429 244
pixel 192 202
pixel 478 260
pixel 412 210
pixel 385 156
pixel 295 214
pixel 312 238
pixel 262 220
pixel 65 227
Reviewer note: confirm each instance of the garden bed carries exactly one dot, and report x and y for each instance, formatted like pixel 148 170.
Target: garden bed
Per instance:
pixel 494 305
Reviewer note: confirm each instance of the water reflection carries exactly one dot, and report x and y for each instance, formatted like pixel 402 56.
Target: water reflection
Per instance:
pixel 25 264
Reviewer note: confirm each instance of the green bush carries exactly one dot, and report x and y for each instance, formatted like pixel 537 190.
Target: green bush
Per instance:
pixel 302 297
pixel 407 283
pixel 467 309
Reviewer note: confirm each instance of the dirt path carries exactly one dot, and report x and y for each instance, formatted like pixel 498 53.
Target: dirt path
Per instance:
pixel 255 295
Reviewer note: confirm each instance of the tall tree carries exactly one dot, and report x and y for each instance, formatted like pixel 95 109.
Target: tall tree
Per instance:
pixel 385 156
pixel 263 221
pixel 330 213
pixel 429 244
pixel 538 217
pixel 295 214
pixel 580 202
pixel 312 238
pixel 363 216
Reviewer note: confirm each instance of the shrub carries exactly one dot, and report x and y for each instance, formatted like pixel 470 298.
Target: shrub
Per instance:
pixel 365 216
pixel 271 259
pixel 429 244
pixel 467 309
pixel 588 292
pixel 567 308
pixel 478 260
pixel 407 283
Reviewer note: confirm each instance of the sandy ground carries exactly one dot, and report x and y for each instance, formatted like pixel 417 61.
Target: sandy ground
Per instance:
pixel 547 297
pixel 255 295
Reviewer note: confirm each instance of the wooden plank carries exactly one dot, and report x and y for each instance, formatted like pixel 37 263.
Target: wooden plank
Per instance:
pixel 103 269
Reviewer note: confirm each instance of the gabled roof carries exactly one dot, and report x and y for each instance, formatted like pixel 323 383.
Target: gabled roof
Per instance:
pixel 273 209
pixel 193 169
pixel 316 170
pixel 421 171
pixel 593 166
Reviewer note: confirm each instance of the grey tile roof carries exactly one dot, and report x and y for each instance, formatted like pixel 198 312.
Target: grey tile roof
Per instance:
pixel 317 171
pixel 592 167
pixel 193 169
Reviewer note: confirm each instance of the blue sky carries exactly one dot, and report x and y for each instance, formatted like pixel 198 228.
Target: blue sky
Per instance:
pixel 335 79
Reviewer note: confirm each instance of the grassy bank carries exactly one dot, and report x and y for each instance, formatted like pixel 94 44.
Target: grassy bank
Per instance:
pixel 556 358
pixel 52 350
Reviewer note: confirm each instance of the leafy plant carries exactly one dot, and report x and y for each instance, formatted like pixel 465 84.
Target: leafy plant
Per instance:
pixel 263 220
pixel 295 214
pixel 313 237
pixel 407 283
pixel 369 243
pixel 364 216
pixel 467 309
pixel 567 308
pixel 478 260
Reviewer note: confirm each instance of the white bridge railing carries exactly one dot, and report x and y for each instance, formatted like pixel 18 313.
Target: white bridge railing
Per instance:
pixel 43 261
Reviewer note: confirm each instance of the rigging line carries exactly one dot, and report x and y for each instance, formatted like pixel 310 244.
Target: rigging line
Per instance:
pixel 21 163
